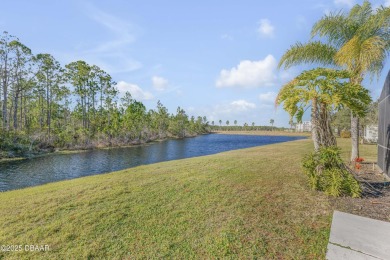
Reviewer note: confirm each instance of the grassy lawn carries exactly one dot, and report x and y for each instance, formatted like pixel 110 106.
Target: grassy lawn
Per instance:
pixel 368 151
pixel 250 203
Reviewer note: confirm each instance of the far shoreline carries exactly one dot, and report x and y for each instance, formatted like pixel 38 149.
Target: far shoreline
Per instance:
pixel 265 133
pixel 60 151
pixel 80 149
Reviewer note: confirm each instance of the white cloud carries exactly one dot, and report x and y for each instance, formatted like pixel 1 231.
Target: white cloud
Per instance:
pixel 266 28
pixel 249 74
pixel 387 3
pixel 268 97
pixel 242 105
pixel 239 109
pixel 235 108
pixel 135 91
pixel 114 63
pixel 348 3
pixel 243 111
pixel 159 83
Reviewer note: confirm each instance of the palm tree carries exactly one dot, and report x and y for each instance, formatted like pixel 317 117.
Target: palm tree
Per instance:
pixel 322 89
pixel 358 42
pixel 272 124
pixel 220 122
pixel 291 123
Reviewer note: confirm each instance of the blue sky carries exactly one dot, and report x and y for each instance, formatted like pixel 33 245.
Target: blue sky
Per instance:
pixel 212 58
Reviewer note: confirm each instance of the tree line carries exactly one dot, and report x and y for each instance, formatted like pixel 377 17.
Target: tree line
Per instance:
pixel 218 126
pixel 45 105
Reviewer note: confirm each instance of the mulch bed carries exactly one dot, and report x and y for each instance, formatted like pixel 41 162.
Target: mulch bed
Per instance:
pixel 375 200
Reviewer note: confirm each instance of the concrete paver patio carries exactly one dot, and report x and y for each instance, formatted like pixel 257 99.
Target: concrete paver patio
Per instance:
pixel 355 237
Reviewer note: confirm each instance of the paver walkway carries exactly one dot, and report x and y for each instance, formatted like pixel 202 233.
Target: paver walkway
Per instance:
pixel 355 237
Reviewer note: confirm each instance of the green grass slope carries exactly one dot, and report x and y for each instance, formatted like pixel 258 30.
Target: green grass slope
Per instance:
pixel 250 203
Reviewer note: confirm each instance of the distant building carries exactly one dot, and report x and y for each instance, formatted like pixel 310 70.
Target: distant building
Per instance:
pixel 305 126
pixel 370 133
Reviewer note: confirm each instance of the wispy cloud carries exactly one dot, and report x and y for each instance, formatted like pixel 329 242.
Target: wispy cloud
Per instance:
pixel 348 3
pixel 328 8
pixel 226 36
pixel 266 28
pixel 301 22
pixel 268 97
pixel 114 54
pixel 123 31
pixel 159 83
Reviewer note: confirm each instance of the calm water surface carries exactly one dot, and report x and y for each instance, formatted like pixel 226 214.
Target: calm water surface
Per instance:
pixel 56 167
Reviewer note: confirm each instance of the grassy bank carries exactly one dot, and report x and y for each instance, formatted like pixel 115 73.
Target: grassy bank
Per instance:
pixel 240 204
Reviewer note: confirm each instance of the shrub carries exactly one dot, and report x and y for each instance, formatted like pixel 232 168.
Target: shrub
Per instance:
pixel 327 172
pixel 345 134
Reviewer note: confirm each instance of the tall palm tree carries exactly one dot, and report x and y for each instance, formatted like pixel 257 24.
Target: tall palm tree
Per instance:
pixel 272 124
pixel 358 42
pixel 291 123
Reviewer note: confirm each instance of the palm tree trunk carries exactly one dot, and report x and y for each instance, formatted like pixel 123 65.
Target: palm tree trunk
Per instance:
pixel 314 125
pixel 355 126
pixel 326 136
pixel 354 137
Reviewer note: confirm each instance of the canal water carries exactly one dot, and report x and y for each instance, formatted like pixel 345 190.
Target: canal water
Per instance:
pixel 55 167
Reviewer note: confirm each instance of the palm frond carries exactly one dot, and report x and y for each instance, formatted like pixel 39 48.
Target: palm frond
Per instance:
pixel 376 69
pixel 312 52
pixel 373 50
pixel 378 24
pixel 360 13
pixel 363 55
pixel 348 54
pixel 335 27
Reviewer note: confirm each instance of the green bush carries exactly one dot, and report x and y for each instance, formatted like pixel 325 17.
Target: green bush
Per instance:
pixel 16 143
pixel 327 172
pixel 345 134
